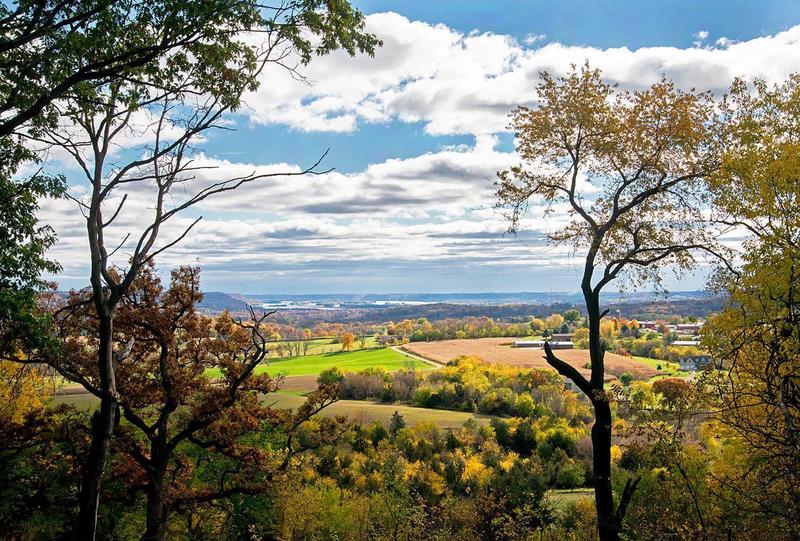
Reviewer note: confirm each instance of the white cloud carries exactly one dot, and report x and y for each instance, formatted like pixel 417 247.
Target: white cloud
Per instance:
pixel 436 207
pixel 467 83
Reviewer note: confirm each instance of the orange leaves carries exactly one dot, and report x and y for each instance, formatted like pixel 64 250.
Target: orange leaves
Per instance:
pixel 347 340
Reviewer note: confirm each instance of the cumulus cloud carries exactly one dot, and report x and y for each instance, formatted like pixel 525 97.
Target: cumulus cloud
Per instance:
pixel 466 83
pixel 433 211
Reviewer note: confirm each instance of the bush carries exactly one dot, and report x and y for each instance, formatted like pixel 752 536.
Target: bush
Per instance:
pixel 570 475
pixel 359 386
pixel 557 440
pixel 330 376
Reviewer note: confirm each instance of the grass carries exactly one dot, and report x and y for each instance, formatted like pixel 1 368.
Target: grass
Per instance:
pixel 357 410
pixel 318 346
pixel 668 369
pixel 366 411
pixel 311 365
pixel 561 497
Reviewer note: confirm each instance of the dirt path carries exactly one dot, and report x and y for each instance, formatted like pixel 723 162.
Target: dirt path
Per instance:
pixel 431 362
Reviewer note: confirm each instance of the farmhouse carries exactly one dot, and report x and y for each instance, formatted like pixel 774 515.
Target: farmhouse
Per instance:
pixel 695 362
pixel 566 337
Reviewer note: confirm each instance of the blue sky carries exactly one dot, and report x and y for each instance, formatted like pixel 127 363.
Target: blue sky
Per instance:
pixel 416 136
pixel 604 23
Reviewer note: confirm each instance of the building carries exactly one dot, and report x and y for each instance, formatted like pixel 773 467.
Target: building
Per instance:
pixel 686 343
pixel 689 328
pixel 565 337
pixel 695 362
pixel 539 344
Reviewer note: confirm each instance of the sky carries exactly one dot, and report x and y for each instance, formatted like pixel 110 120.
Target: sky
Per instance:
pixel 415 137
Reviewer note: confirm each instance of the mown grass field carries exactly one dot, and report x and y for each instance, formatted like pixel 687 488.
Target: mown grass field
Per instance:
pixel 318 346
pixel 311 365
pixel 357 410
pixel 364 411
pixel 560 498
pixel 668 369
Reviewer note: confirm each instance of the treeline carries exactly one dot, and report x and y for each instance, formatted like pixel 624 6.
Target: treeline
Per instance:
pixel 467 384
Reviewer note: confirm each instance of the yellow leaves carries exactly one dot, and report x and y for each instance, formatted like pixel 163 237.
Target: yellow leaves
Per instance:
pixel 608 328
pixel 616 454
pixel 347 340
pixel 475 471
pixel 23 390
pixel 422 475
pixel 508 461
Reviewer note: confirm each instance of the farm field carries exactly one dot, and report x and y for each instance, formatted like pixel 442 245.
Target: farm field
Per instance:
pixel 318 346
pixel 668 369
pixel 499 351
pixel 300 372
pixel 357 410
pixel 366 411
pixel 345 360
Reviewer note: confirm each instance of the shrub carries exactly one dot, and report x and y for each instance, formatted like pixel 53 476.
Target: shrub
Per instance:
pixel 330 376
pixel 570 475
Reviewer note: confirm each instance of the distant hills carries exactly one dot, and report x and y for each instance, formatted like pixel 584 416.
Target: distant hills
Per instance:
pixel 436 306
pixel 216 301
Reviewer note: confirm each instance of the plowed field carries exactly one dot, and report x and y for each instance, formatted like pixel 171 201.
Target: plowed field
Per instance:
pixel 499 351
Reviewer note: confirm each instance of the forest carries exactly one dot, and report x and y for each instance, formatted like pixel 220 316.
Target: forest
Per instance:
pixel 128 411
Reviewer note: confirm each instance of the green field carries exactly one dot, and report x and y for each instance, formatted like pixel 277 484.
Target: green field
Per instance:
pixel 559 497
pixel 366 411
pixel 311 365
pixel 668 369
pixel 357 410
pixel 318 346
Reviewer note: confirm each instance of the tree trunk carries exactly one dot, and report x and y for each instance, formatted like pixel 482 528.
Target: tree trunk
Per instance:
pixel 156 511
pixel 102 430
pixel 607 523
pixel 156 508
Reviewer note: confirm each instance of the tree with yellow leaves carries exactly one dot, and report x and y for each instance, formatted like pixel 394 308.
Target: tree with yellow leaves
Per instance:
pixel 24 390
pixel 631 169
pixel 347 340
pixel 757 336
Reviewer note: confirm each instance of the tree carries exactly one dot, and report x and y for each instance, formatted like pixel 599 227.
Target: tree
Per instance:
pixel 52 48
pixel 553 322
pixel 756 337
pixel 330 376
pixel 347 340
pixel 646 155
pixel 174 410
pixel 362 341
pixel 23 244
pixel 173 100
pixel 396 423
